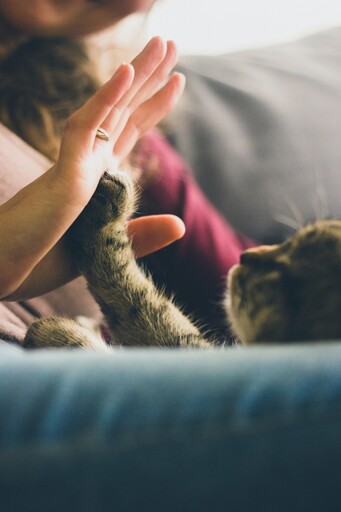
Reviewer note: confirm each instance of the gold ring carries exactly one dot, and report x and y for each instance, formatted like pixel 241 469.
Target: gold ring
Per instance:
pixel 102 134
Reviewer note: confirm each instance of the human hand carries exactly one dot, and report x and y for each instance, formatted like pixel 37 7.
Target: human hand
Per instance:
pixel 128 105
pixel 148 234
pixel 34 221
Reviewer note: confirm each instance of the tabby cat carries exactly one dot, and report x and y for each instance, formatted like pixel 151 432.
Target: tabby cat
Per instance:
pixel 289 292
pixel 136 313
pixel 284 293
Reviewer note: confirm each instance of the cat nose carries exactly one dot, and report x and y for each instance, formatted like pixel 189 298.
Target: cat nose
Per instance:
pixel 253 255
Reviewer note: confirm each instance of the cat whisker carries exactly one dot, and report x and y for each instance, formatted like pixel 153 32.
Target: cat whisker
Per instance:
pixel 320 206
pixel 297 214
pixel 288 221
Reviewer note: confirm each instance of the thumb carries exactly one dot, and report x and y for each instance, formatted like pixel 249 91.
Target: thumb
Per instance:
pixel 154 232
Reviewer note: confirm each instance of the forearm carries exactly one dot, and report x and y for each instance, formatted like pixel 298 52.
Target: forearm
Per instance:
pixel 148 234
pixel 54 270
pixel 32 223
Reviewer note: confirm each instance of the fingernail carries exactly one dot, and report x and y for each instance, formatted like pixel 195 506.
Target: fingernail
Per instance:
pixel 182 79
pixel 121 69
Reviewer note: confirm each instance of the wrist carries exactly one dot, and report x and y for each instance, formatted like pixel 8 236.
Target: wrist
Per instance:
pixel 72 191
pixel 32 222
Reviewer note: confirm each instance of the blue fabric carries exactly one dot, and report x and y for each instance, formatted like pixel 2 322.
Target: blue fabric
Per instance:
pixel 147 430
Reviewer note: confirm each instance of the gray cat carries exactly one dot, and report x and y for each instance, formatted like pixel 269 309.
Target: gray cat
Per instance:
pixel 284 293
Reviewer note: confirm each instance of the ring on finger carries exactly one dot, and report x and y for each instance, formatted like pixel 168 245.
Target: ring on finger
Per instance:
pixel 102 134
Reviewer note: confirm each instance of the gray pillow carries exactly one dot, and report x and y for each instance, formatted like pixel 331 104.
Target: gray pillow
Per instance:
pixel 262 132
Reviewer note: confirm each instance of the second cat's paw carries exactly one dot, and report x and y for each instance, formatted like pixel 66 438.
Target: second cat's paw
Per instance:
pixel 58 332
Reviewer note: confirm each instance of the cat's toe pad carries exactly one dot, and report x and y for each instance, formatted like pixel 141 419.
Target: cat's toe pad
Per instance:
pixel 117 191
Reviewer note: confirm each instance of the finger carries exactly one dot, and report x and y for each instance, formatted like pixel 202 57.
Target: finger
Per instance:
pixel 117 123
pixel 144 66
pixel 154 232
pixel 82 125
pixel 160 74
pixel 149 114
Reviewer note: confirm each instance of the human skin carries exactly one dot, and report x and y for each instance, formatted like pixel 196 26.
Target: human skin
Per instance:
pixel 35 219
pixel 70 18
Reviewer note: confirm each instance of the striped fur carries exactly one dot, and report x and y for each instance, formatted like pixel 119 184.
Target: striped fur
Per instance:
pixel 289 292
pixel 282 293
pixel 136 312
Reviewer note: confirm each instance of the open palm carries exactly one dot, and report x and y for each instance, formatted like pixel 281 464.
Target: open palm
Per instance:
pixel 129 104
pixel 34 221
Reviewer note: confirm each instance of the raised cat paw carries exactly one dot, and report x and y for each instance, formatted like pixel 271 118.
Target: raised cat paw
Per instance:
pixel 113 200
pixel 111 205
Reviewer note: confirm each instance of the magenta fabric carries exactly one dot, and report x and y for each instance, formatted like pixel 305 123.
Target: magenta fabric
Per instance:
pixel 194 268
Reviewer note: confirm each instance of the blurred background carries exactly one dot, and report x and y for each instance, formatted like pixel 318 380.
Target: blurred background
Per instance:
pixel 215 26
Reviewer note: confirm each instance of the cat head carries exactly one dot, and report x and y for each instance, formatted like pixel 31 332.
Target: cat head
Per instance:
pixel 289 292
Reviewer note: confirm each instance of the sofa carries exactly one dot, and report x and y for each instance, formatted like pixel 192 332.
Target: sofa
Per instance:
pixel 235 429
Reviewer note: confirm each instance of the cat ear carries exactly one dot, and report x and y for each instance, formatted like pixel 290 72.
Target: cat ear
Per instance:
pixel 253 255
pixel 266 256
pixel 259 254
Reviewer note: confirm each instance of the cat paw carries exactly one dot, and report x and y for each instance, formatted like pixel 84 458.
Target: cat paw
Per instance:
pixel 114 199
pixel 112 204
pixel 58 332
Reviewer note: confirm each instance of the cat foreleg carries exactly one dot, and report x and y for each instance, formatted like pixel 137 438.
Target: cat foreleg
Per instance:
pixel 136 312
